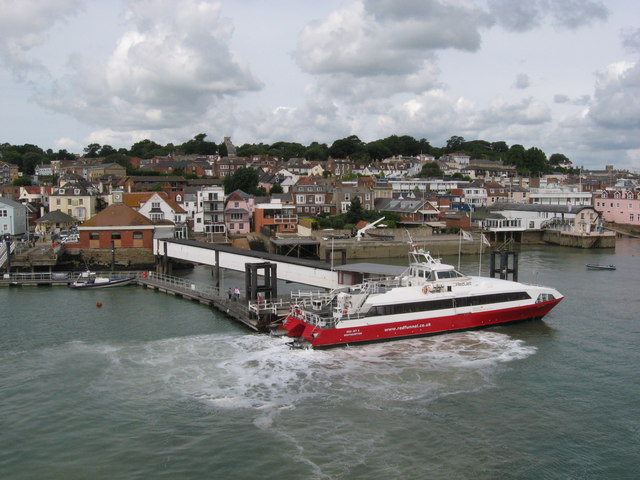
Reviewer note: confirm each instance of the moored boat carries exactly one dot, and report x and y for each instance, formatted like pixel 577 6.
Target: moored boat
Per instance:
pixel 428 298
pixel 597 266
pixel 90 279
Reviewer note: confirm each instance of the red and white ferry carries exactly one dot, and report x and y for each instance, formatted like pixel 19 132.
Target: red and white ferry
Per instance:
pixel 428 298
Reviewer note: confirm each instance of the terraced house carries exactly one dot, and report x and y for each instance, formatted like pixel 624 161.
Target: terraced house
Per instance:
pixel 76 198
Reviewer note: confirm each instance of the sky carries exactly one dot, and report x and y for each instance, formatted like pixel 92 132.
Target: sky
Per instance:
pixel 560 75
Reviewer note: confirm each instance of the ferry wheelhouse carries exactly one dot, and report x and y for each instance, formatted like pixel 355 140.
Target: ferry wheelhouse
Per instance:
pixel 428 298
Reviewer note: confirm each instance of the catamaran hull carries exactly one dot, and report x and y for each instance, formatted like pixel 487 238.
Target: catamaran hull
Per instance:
pixel 392 330
pixel 115 282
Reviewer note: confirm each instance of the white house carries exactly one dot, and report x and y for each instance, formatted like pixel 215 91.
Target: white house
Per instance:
pixel 13 217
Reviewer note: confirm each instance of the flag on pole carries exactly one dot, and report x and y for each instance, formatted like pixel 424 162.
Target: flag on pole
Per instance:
pixel 484 240
pixel 466 235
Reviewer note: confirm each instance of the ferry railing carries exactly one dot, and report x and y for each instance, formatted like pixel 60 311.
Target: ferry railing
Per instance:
pixel 182 284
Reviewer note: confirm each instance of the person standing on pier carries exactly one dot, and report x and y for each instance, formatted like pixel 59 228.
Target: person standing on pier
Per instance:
pixel 230 293
pixel 236 294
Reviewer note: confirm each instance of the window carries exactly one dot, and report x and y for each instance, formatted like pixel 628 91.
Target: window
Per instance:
pixel 80 201
pixel 319 198
pixel 631 217
pixel 155 205
pixel 116 236
pixel 137 235
pixel 68 201
pixel 3 213
pixel 94 236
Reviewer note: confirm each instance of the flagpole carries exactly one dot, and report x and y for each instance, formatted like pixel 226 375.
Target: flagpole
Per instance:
pixel 480 260
pixel 459 247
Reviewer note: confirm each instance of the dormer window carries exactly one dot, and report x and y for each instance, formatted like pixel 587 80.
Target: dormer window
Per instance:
pixel 76 191
pixel 61 191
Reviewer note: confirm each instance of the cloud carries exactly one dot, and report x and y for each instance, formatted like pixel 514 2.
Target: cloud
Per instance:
pixel 631 40
pixel 519 16
pixel 378 37
pixel 170 67
pixel 522 81
pixel 24 25
pixel 562 98
pixel 617 97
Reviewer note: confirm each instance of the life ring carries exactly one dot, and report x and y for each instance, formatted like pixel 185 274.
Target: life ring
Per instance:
pixel 144 274
pixel 425 289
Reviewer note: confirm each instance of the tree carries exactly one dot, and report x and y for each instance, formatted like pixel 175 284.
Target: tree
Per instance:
pixel 346 147
pixel 146 149
pixel 431 170
pixel 378 150
pixel 317 152
pixel 198 146
pixel 245 179
pixel 21 182
pixel 558 158
pixel 536 161
pixel 106 150
pixel 276 188
pixel 92 150
pixel 454 144
pixel 355 212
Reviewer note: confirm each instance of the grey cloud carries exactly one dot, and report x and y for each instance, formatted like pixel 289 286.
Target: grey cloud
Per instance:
pixel 631 40
pixel 562 98
pixel 617 98
pixel 25 25
pixel 518 15
pixel 522 81
pixel 377 37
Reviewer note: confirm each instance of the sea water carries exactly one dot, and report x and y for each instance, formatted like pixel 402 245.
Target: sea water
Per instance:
pixel 154 386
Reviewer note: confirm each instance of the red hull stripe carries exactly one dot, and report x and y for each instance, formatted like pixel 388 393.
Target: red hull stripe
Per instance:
pixel 319 337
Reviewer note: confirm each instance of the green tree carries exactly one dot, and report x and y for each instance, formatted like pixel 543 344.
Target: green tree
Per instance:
pixel 21 182
pixel 346 147
pixel 106 150
pixel 536 161
pixel 146 149
pixel 454 144
pixel 276 188
pixel 199 146
pixel 92 150
pixel 430 170
pixel 317 152
pixel 558 158
pixel 245 179
pixel 355 213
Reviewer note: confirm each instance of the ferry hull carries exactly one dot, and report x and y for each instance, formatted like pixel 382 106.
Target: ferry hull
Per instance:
pixel 326 337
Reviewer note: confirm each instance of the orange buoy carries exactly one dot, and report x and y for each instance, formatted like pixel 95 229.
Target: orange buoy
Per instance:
pixel 99 304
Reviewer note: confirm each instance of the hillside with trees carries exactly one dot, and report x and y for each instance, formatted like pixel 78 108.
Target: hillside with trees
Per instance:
pixel 528 162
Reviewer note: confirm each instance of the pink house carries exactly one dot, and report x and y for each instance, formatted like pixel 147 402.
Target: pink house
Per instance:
pixel 619 206
pixel 238 212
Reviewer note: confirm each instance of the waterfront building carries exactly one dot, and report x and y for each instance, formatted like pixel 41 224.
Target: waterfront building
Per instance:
pixel 559 195
pixel 116 226
pixel 76 198
pixel 238 212
pixel 312 196
pixel 619 206
pixel 13 217
pixel 209 215
pixel 274 218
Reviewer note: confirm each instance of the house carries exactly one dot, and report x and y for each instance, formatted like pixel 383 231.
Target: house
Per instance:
pixel 619 206
pixel 238 212
pixel 275 217
pixel 54 222
pixel 412 211
pixel 157 207
pixel 8 173
pixel 345 192
pixel 312 196
pixel 559 195
pixel 116 226
pixel 13 217
pixel 209 215
pixel 75 198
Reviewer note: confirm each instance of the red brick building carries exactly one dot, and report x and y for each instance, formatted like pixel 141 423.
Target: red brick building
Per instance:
pixel 119 224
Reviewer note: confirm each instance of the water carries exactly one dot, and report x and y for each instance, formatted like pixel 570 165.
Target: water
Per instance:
pixel 153 386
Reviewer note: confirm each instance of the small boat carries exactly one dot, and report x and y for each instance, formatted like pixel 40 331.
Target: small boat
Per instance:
pixel 380 236
pixel 89 279
pixel 596 266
